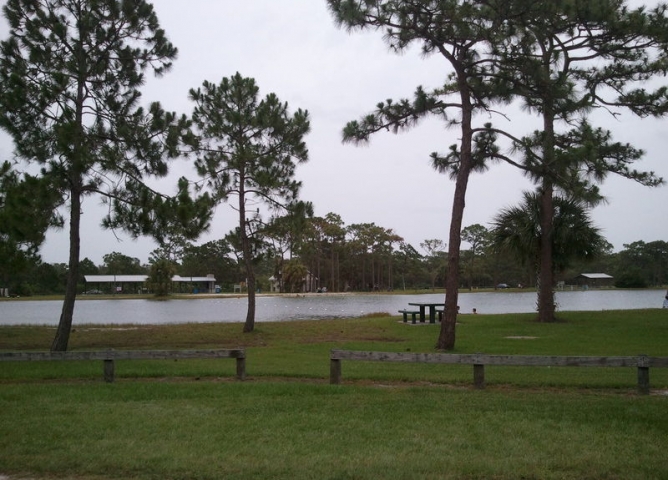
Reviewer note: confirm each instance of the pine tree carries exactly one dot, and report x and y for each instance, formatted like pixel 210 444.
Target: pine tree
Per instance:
pixel 562 57
pixel 23 196
pixel 460 32
pixel 70 73
pixel 248 148
pixel 565 58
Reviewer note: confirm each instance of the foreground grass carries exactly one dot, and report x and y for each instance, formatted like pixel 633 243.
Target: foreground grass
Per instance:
pixel 190 419
pixel 284 431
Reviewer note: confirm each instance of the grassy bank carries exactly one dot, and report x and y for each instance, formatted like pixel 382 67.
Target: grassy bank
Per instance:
pixel 190 419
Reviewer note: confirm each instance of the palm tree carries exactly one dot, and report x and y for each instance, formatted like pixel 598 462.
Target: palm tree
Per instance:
pixel 574 237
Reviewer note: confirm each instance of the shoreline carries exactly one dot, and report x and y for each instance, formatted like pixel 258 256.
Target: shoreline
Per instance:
pixel 195 296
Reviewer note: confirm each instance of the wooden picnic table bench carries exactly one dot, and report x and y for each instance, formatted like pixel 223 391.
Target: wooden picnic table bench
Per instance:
pixel 432 306
pixel 412 313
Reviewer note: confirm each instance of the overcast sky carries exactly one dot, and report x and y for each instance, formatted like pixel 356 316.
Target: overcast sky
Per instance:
pixel 294 49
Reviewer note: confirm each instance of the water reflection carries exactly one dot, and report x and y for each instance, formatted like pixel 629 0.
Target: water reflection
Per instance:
pixel 317 306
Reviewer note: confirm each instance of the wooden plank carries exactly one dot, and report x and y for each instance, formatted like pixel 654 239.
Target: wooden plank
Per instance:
pixel 657 361
pixel 394 357
pixel 556 361
pixel 122 355
pixel 48 356
pixel 500 360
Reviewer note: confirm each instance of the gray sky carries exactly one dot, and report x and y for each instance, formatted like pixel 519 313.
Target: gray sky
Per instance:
pixel 294 49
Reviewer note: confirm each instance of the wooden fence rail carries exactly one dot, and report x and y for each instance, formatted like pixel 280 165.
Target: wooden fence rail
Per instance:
pixel 108 357
pixel 478 360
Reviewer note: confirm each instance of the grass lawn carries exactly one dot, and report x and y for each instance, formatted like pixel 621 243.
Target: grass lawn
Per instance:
pixel 192 420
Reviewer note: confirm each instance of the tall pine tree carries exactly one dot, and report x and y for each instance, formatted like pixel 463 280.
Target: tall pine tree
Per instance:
pixel 70 73
pixel 248 148
pixel 458 31
pixel 565 58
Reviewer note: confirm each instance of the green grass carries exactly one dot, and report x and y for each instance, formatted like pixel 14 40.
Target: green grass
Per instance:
pixel 192 420
pixel 301 349
pixel 293 430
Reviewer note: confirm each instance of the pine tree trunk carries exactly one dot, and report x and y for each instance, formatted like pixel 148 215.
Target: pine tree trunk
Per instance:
pixel 546 276
pixel 332 284
pixel 249 325
pixel 62 337
pixel 446 339
pixel 338 272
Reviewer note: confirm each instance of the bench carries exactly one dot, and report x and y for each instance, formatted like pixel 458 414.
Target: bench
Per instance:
pixel 413 313
pixel 108 357
pixel 641 362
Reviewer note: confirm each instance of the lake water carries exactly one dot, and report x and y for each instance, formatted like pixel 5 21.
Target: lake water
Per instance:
pixel 313 306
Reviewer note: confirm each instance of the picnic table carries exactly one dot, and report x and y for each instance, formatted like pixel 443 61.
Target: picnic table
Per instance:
pixel 432 310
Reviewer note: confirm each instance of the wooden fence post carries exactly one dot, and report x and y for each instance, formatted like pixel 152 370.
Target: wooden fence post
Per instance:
pixel 478 372
pixel 479 375
pixel 109 370
pixel 643 375
pixel 335 371
pixel 241 368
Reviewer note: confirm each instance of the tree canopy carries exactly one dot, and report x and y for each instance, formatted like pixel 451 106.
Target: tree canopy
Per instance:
pixel 560 59
pixel 563 59
pixel 459 32
pixel 248 148
pixel 70 73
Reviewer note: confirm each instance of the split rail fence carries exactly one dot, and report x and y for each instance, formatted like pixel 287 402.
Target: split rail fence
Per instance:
pixel 109 356
pixel 479 361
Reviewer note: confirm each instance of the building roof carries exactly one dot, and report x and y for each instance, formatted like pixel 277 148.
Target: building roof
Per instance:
pixel 141 278
pixel 596 275
pixel 115 278
pixel 208 278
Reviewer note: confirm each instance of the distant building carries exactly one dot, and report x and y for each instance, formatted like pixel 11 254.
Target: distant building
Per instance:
pixel 135 283
pixel 309 284
pixel 594 280
pixel 274 284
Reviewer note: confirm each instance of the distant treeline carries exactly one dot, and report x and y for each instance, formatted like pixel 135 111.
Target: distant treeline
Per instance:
pixel 360 257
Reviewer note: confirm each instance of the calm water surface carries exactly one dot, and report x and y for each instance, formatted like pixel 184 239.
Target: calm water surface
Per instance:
pixel 320 306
